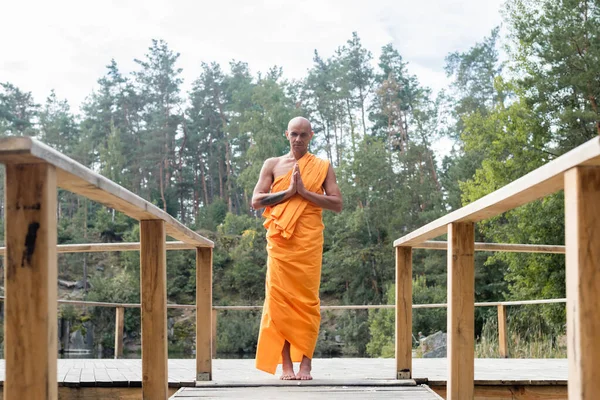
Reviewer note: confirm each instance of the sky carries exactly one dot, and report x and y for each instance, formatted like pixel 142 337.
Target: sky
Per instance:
pixel 65 45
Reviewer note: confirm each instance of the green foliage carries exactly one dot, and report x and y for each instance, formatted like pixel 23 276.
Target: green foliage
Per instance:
pixel 237 332
pixel 184 332
pixel 75 317
pixel 198 155
pixel 555 49
pixel 382 329
pixel 354 329
pixel 425 320
pixel 211 217
pixel 116 286
pixel 534 342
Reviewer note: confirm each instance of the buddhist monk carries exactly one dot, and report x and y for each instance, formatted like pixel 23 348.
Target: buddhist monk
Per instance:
pixel 294 189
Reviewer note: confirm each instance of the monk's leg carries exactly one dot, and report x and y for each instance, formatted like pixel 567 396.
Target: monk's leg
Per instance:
pixel 287 365
pixel 305 368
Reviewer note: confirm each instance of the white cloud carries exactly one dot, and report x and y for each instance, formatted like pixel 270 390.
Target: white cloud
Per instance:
pixel 66 44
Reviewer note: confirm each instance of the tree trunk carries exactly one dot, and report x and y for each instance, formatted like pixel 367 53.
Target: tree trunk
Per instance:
pixel 196 196
pixel 162 185
pixel 204 187
pixel 221 186
pixel 351 128
pixel 362 109
pixel 229 193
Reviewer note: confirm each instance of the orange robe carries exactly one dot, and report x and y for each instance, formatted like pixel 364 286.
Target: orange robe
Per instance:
pixel 295 248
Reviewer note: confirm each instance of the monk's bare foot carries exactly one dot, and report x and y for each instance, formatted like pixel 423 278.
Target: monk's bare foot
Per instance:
pixel 288 375
pixel 305 368
pixel 287 365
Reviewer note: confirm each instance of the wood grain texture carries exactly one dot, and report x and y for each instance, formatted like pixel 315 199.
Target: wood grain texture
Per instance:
pixel 430 244
pixel 334 371
pixel 303 392
pixel 79 179
pixel 214 322
pixel 403 313
pixel 461 310
pixel 119 325
pixel 582 229
pixel 502 332
pixel 507 247
pixel 515 392
pixel 30 282
pixel 204 314
pixel 104 247
pixel 153 277
pixel 541 182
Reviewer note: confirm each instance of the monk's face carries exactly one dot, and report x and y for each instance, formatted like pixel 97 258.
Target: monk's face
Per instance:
pixel 299 134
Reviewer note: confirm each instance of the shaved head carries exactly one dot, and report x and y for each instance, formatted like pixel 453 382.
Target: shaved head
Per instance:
pixel 299 122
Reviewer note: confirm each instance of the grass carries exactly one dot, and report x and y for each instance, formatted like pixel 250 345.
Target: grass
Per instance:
pixel 533 343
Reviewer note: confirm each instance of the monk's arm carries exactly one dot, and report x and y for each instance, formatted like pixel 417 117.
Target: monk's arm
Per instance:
pixel 331 200
pixel 261 197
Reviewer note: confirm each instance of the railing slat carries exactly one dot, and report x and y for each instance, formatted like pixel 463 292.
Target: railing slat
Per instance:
pixel 502 331
pixel 504 247
pixel 204 314
pixel 461 311
pixel 104 247
pixel 119 325
pixel 213 343
pixel 582 229
pixel 403 313
pixel 30 344
pixel 153 277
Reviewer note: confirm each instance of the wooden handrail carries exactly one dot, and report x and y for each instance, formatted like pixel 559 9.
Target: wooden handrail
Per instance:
pixel 334 307
pixel 578 174
pixel 506 247
pixel 430 244
pixel 104 247
pixel 501 305
pixel 34 171
pixel 541 182
pixel 81 180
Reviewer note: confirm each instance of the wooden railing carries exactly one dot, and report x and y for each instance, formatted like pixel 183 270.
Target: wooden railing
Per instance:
pixel 503 345
pixel 34 171
pixel 578 174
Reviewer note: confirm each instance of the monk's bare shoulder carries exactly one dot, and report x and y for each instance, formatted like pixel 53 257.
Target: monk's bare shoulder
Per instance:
pixel 270 164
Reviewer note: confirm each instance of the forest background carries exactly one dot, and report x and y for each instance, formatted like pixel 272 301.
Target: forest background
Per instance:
pixel 519 98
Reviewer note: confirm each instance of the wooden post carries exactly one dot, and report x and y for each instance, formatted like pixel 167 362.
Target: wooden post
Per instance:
pixel 214 333
pixel 403 313
pixel 461 310
pixel 153 277
pixel 502 331
pixel 203 313
pixel 30 276
pixel 582 230
pixel 119 325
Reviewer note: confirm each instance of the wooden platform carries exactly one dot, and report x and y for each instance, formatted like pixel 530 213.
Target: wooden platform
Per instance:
pixel 432 371
pixel 290 392
pixel 344 377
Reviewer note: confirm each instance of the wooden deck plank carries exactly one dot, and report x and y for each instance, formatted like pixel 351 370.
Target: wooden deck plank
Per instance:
pixel 302 393
pixel 87 377
pixel 497 371
pixel 73 377
pixel 102 377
